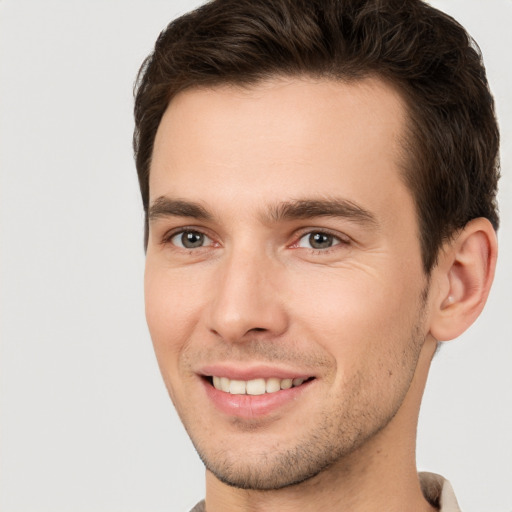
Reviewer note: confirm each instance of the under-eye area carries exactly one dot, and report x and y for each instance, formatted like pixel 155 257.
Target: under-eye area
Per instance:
pixel 255 386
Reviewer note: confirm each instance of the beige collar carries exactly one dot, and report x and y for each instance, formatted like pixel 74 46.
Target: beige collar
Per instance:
pixel 439 492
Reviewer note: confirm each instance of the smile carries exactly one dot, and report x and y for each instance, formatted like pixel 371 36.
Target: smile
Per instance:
pixel 256 392
pixel 254 386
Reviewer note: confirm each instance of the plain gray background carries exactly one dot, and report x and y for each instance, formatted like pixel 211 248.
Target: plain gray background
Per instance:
pixel 86 424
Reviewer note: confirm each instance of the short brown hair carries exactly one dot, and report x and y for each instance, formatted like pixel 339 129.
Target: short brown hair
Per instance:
pixel 453 139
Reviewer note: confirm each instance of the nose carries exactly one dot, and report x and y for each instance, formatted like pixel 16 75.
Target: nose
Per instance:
pixel 247 301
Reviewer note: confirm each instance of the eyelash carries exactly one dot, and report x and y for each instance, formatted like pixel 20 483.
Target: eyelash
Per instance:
pixel 337 239
pixel 167 238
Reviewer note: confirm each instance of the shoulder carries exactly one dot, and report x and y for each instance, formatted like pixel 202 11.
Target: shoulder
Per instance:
pixel 199 507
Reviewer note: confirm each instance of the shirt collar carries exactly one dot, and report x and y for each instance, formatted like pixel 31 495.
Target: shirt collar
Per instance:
pixel 439 492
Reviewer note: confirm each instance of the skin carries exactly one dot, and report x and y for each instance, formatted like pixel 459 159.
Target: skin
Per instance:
pixel 360 316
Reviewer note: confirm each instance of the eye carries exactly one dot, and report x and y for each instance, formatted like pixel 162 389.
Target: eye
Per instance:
pixel 318 240
pixel 190 239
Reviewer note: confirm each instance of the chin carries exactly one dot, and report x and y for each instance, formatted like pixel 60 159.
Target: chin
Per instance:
pixel 266 475
pixel 272 467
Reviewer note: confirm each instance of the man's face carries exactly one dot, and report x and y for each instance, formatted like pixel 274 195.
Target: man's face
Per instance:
pixel 283 251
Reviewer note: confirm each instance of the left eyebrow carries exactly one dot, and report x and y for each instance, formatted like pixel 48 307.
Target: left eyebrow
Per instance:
pixel 168 207
pixel 309 208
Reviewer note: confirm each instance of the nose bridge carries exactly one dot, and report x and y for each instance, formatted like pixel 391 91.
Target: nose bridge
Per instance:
pixel 247 299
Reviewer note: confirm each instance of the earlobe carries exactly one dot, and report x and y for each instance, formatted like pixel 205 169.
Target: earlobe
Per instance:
pixel 464 276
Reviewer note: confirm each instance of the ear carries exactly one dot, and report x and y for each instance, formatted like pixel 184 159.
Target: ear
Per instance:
pixel 463 279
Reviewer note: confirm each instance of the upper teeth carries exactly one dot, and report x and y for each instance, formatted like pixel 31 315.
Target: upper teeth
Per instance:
pixel 255 386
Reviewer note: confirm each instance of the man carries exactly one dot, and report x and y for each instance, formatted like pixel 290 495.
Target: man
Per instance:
pixel 319 182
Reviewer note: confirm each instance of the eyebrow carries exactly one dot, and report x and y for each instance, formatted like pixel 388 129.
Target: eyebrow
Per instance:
pixel 309 208
pixel 284 211
pixel 167 207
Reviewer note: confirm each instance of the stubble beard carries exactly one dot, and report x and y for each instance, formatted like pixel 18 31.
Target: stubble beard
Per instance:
pixel 279 469
pixel 338 435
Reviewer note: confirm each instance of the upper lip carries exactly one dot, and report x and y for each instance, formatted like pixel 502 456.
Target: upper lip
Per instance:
pixel 237 372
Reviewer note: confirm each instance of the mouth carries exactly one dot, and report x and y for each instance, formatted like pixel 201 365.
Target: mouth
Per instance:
pixel 255 387
pixel 259 391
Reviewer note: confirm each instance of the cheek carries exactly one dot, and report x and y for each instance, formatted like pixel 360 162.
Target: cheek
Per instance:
pixel 370 332
pixel 356 315
pixel 171 307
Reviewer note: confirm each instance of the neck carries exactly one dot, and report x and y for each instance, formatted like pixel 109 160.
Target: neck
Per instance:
pixel 379 474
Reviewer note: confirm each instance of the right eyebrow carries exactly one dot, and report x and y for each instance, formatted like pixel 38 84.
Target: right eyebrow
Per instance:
pixel 167 207
pixel 310 208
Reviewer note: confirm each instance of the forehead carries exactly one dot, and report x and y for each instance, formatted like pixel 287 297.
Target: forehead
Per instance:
pixel 281 139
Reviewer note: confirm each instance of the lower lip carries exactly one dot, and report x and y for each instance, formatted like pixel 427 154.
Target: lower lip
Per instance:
pixel 253 406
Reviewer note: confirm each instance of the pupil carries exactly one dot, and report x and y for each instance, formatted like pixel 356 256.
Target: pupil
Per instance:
pixel 320 240
pixel 192 239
